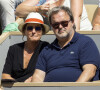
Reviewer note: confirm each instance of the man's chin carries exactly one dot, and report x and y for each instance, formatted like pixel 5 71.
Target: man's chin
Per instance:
pixel 62 36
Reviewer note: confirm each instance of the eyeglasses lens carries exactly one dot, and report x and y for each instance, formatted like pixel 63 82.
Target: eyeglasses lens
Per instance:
pixel 63 23
pixel 30 28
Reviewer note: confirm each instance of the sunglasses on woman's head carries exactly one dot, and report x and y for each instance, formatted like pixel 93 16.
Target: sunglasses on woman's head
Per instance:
pixel 30 28
pixel 63 23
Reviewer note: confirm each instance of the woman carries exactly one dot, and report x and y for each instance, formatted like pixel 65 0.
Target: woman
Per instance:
pixel 22 57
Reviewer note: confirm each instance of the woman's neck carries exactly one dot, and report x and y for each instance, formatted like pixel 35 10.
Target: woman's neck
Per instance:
pixel 31 46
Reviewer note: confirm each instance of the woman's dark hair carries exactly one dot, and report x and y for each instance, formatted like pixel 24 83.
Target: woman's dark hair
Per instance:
pixel 43 29
pixel 23 31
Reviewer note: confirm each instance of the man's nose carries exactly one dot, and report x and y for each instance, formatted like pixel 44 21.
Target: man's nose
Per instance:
pixel 60 26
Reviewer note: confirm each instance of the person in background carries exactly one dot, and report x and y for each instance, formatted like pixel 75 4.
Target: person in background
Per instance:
pixel 96 21
pixel 7 12
pixel 22 57
pixel 72 57
pixel 24 7
pixel 79 12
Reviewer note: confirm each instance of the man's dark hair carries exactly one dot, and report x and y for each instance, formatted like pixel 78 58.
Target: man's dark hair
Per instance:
pixel 55 10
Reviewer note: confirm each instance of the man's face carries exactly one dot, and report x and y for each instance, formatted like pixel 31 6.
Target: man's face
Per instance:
pixel 62 26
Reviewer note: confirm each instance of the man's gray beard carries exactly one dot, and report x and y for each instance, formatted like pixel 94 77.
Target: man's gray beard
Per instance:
pixel 64 36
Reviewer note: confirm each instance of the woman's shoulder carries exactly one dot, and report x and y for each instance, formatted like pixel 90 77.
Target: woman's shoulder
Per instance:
pixel 18 45
pixel 44 43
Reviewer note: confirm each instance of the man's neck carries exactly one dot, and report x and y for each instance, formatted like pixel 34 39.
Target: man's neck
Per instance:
pixel 64 41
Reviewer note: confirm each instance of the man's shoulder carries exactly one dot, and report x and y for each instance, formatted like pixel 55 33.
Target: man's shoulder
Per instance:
pixel 84 38
pixel 47 48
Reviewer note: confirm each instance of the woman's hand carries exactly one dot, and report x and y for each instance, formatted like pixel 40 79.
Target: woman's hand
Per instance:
pixel 28 80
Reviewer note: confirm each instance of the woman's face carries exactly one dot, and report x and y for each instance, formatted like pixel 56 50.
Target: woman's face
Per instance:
pixel 33 31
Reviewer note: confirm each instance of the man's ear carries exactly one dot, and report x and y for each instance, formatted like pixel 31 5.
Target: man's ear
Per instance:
pixel 73 22
pixel 74 26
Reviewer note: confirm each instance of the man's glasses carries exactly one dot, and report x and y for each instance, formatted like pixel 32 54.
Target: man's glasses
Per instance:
pixel 63 23
pixel 30 28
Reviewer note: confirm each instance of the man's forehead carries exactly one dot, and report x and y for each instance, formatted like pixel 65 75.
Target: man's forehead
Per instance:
pixel 60 15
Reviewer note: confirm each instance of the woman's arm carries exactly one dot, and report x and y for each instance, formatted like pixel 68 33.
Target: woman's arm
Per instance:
pixel 77 8
pixel 7 76
pixel 96 21
pixel 28 6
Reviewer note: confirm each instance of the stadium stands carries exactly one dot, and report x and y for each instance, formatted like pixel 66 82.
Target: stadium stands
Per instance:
pixel 10 38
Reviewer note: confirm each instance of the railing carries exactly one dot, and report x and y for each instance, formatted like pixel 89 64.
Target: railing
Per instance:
pixel 5 35
pixel 46 85
pixel 53 86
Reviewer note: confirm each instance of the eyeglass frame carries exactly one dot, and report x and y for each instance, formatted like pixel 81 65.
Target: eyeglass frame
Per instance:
pixel 53 25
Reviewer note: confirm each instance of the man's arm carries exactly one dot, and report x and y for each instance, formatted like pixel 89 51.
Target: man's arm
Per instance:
pixel 96 21
pixel 88 73
pixel 28 6
pixel 77 8
pixel 38 76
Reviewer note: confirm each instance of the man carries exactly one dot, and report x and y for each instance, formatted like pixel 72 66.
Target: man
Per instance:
pixel 71 57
